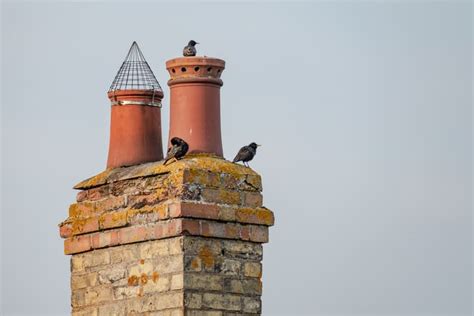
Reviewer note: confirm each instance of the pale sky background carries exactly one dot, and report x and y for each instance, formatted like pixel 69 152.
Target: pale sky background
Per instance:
pixel 363 110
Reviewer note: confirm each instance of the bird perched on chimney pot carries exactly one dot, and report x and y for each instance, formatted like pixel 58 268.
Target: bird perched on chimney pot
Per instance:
pixel 178 149
pixel 190 49
pixel 246 154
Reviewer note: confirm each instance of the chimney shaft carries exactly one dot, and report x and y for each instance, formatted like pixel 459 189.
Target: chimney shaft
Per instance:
pixel 195 102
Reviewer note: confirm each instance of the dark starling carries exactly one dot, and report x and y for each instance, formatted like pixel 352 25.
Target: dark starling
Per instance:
pixel 190 49
pixel 178 150
pixel 246 153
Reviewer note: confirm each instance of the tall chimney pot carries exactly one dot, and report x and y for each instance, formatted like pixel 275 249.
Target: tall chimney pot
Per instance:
pixel 135 126
pixel 195 102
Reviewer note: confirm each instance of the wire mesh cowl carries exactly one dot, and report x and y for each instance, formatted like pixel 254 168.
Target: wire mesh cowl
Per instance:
pixel 135 73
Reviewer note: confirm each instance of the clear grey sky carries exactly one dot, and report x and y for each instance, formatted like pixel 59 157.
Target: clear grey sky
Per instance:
pixel 364 113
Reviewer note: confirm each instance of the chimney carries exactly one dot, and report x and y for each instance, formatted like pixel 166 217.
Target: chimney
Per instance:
pixel 135 125
pixel 195 102
pixel 181 239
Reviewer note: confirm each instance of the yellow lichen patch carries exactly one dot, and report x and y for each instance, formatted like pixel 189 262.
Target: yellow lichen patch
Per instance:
pixel 191 162
pixel 155 276
pixel 206 257
pixel 252 215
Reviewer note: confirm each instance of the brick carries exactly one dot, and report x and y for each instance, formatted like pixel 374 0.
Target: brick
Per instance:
pixel 259 234
pixel 158 284
pixel 81 196
pixel 125 253
pixel 98 295
pixel 252 199
pixel 126 292
pixel 176 245
pixel 253 269
pixel 203 313
pixel 251 286
pixel 221 196
pixel 82 209
pixel 201 281
pixel 242 250
pixel 65 230
pixel 213 229
pixel 221 301
pixel 85 312
pixel 190 227
pixel 255 216
pixel 169 264
pixel 111 203
pixel 139 201
pixel 229 181
pixel 156 302
pixel 203 177
pixel 226 214
pixel 105 239
pixel 113 219
pixel 192 263
pixel 116 309
pixel 86 225
pixel 196 210
pixel 252 305
pixel 177 282
pixel 98 193
pixel 231 230
pixel 78 298
pixel 192 300
pixel 153 249
pixel 229 267
pixel 133 234
pixel 111 275
pixel 96 258
pixel 251 183
pixel 77 263
pixel 81 281
pixel 77 244
pixel 193 245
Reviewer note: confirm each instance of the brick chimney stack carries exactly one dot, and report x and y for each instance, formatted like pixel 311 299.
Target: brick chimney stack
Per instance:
pixel 174 240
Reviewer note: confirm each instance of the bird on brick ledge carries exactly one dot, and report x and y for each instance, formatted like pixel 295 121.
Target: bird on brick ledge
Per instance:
pixel 178 149
pixel 246 154
pixel 190 49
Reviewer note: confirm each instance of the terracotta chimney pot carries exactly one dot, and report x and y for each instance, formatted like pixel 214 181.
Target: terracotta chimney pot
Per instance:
pixel 195 102
pixel 135 126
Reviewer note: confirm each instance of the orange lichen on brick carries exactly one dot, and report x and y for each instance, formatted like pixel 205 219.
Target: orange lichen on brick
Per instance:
pixel 155 276
pixel 206 256
pixel 144 278
pixel 195 263
pixel 133 280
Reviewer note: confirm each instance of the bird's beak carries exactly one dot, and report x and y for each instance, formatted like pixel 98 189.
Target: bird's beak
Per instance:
pixel 259 145
pixel 197 43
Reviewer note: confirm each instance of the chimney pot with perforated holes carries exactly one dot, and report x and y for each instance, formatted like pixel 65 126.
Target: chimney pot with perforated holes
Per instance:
pixel 195 102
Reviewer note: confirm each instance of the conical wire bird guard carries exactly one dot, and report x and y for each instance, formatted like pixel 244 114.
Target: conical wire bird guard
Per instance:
pixel 135 73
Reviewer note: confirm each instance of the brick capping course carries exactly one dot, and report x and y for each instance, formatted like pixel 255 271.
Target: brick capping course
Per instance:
pixel 200 195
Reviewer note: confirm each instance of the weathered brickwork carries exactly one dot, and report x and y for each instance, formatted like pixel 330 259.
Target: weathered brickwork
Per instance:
pixel 182 239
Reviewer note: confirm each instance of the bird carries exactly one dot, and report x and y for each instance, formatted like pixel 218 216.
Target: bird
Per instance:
pixel 246 154
pixel 190 49
pixel 178 149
